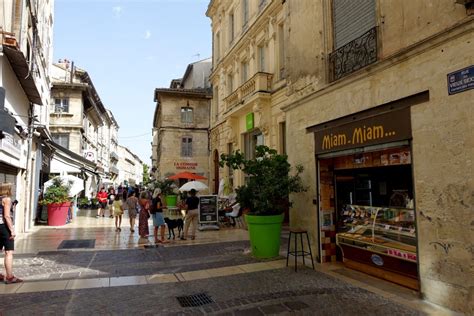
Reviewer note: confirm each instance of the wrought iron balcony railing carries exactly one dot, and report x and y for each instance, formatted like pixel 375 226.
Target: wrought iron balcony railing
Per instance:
pixel 260 82
pixel 354 55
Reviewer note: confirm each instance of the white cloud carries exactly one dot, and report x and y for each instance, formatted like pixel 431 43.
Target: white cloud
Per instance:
pixel 147 34
pixel 117 11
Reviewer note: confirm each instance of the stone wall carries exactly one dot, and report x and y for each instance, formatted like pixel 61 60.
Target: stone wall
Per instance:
pixel 443 147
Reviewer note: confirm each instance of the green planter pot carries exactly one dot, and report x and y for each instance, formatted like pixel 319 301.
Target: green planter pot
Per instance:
pixel 171 200
pixel 265 234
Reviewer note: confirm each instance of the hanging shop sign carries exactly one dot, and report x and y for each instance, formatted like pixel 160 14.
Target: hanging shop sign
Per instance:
pixel 461 80
pixel 185 165
pixel 249 123
pixel 378 129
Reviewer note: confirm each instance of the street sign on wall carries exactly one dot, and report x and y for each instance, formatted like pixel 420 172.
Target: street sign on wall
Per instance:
pixel 461 80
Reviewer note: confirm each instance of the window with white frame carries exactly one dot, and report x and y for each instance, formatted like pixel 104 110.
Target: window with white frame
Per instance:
pixel 186 146
pixel 187 114
pixel 61 139
pixel 61 105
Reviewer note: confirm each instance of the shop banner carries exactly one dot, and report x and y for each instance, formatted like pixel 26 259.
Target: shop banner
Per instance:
pixel 386 127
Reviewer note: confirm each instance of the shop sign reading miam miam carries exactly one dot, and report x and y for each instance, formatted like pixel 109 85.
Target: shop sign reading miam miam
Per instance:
pixel 383 128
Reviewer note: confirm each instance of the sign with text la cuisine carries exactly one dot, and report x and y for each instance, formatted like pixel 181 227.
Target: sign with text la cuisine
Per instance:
pixel 185 165
pixel 378 129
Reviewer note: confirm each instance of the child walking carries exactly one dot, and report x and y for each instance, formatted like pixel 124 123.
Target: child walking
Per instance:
pixel 118 212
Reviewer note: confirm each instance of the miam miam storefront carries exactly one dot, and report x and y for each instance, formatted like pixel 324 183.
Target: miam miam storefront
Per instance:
pixel 366 192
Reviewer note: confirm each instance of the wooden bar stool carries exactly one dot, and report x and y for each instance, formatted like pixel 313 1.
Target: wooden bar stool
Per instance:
pixel 296 252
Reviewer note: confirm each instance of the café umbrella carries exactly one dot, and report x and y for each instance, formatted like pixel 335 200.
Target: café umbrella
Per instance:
pixel 187 175
pixel 196 185
pixel 76 184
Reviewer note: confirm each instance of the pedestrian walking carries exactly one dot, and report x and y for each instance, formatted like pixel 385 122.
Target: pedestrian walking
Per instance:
pixel 191 207
pixel 102 197
pixel 110 200
pixel 144 215
pixel 7 233
pixel 131 205
pixel 118 206
pixel 156 211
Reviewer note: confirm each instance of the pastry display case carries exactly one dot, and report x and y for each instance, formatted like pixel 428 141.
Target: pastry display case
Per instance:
pixel 380 241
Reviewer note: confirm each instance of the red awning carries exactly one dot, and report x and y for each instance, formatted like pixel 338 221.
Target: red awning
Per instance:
pixel 187 175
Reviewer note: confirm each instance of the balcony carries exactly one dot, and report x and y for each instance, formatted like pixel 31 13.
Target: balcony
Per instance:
pixel 114 170
pixel 260 82
pixel 353 56
pixel 114 156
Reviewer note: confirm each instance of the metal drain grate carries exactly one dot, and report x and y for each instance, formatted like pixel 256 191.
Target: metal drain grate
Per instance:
pixel 77 243
pixel 194 300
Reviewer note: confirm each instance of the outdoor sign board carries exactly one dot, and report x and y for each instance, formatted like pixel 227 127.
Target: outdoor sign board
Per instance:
pixel 208 211
pixel 461 80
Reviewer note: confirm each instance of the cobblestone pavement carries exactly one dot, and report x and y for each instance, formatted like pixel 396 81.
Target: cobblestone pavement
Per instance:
pixel 128 262
pixel 278 291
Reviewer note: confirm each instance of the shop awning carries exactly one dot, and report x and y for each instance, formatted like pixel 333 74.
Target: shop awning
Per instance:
pixel 73 159
pixel 25 77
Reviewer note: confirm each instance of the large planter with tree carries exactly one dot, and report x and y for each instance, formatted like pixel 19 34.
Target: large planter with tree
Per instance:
pixel 265 194
pixel 58 202
pixel 168 190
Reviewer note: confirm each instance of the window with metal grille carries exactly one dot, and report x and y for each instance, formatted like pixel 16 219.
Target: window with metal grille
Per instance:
pixel 186 114
pixel 61 139
pixel 61 105
pixel 187 146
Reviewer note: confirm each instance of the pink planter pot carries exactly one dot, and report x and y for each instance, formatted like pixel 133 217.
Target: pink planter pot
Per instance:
pixel 57 213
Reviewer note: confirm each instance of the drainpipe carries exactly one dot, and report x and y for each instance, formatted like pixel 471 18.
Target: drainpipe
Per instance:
pixel 28 171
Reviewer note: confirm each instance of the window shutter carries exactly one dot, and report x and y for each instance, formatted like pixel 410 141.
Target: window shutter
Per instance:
pixel 352 18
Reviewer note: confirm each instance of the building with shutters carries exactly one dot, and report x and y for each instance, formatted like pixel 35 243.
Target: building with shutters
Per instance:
pixel 376 97
pixel 181 123
pixel 248 79
pixel 80 123
pixel 26 29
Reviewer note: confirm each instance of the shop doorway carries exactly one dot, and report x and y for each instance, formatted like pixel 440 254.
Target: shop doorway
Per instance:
pixel 367 213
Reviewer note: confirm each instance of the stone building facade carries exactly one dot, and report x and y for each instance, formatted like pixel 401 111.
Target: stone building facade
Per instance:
pixel 378 107
pixel 80 123
pixel 248 79
pixel 26 29
pixel 181 124
pixel 130 167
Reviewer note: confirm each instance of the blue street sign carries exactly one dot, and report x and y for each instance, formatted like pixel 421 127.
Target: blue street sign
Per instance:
pixel 461 80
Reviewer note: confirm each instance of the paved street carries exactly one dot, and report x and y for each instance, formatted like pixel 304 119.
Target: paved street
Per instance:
pixel 126 277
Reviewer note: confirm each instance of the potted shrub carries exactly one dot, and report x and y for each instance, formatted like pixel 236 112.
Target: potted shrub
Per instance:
pixel 168 188
pixel 265 195
pixel 58 202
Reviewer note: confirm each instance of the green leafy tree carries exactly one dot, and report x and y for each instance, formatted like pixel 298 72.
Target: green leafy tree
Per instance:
pixel 269 182
pixel 146 175
pixel 58 192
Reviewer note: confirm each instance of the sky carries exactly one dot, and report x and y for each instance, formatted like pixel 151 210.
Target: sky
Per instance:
pixel 129 48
